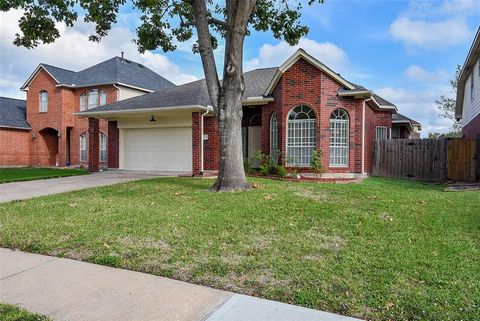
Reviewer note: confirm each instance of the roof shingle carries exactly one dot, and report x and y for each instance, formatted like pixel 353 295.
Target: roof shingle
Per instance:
pixel 13 113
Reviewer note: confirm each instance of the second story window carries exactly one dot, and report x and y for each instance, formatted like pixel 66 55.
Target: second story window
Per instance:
pixel 103 97
pixel 43 99
pixel 92 98
pixel 83 102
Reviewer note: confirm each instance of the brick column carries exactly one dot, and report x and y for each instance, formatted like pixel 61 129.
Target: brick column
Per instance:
pixel 196 141
pixel 93 145
pixel 113 146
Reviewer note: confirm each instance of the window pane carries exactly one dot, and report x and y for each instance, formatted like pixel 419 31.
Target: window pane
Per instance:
pixel 83 102
pixel 43 101
pixel 339 131
pixel 103 97
pixel 93 98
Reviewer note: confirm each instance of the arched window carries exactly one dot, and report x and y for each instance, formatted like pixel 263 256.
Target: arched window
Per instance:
pixel 339 131
pixel 103 147
pixel 103 97
pixel 93 98
pixel 83 101
pixel 301 136
pixel 43 99
pixel 83 147
pixel 274 137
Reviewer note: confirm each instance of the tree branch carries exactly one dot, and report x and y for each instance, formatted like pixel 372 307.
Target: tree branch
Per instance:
pixel 211 21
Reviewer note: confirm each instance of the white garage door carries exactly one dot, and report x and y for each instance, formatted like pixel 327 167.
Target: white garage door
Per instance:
pixel 158 149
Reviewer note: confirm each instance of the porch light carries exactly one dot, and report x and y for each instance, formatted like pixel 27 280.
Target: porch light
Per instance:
pixel 153 119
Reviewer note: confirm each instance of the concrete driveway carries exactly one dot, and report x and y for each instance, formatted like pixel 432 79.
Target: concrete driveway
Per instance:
pixel 30 189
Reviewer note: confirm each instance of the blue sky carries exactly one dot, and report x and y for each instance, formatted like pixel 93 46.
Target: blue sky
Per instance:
pixel 406 51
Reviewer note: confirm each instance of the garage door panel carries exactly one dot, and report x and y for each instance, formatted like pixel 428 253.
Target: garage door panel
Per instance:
pixel 162 149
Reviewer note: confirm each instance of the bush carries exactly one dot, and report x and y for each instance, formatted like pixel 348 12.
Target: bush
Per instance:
pixel 316 161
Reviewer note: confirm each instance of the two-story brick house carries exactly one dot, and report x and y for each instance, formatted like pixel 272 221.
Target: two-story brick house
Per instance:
pixel 288 112
pixel 51 135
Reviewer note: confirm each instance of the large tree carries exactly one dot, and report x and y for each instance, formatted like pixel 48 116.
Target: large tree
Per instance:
pixel 163 22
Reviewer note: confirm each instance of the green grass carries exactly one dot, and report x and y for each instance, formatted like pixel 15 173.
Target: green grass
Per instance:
pixel 10 312
pixel 381 249
pixel 16 174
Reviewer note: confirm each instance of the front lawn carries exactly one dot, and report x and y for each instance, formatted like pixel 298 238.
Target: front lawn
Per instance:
pixel 10 312
pixel 381 249
pixel 15 174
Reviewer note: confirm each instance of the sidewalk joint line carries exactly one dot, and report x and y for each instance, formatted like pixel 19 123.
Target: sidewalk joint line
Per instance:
pixel 29 269
pixel 218 306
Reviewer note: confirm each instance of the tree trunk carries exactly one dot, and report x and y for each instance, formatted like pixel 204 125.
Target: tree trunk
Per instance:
pixel 227 97
pixel 231 176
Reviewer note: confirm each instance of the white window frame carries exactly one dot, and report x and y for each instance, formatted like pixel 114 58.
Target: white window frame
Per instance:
pixel 103 147
pixel 301 136
pixel 83 147
pixel 43 101
pixel 274 137
pixel 103 97
pixel 92 98
pixel 339 138
pixel 83 101
pixel 379 130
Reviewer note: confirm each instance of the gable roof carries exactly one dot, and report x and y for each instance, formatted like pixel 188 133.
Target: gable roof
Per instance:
pixel 112 71
pixel 473 55
pixel 259 84
pixel 190 94
pixel 302 54
pixel 400 119
pixel 13 113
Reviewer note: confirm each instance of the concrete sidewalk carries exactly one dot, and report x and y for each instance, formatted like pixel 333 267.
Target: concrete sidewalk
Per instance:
pixel 65 289
pixel 30 189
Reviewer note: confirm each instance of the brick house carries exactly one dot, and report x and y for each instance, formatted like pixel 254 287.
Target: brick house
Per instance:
pixel 467 107
pixel 288 112
pixel 43 131
pixel 404 127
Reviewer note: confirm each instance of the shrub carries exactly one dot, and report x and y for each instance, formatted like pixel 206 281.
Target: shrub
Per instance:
pixel 316 161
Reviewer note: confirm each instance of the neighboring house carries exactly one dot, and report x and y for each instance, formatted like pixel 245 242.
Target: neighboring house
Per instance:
pixel 404 127
pixel 14 132
pixel 288 112
pixel 468 92
pixel 55 136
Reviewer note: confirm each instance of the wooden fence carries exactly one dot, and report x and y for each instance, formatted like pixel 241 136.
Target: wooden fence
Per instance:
pixel 428 159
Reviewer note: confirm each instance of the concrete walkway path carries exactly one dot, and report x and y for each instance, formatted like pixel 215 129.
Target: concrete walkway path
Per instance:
pixel 30 189
pixel 65 289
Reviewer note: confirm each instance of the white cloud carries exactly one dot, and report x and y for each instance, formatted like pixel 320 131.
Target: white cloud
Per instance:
pixel 73 51
pixel 460 7
pixel 418 105
pixel 274 55
pixel 417 73
pixel 430 35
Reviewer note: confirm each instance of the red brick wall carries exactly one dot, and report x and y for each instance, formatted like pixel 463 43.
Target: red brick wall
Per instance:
pixel 14 147
pixel 304 84
pixel 196 149
pixel 93 145
pixel 62 104
pixel 113 145
pixel 472 129
pixel 211 146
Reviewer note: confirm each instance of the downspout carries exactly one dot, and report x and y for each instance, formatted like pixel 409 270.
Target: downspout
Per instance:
pixel 201 139
pixel 363 134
